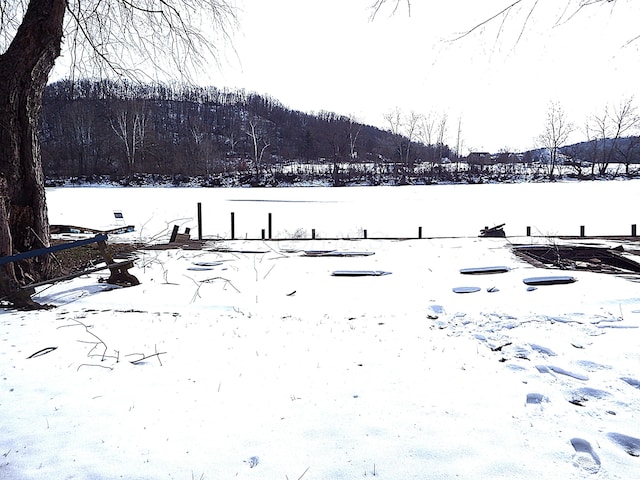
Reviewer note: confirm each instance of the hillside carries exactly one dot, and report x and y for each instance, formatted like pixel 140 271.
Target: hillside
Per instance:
pixel 123 130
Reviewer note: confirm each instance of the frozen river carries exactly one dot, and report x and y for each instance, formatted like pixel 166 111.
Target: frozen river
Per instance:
pixel 603 208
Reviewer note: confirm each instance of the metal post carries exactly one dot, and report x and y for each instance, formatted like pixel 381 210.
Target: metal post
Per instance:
pixel 233 226
pixel 582 230
pixel 270 227
pixel 199 221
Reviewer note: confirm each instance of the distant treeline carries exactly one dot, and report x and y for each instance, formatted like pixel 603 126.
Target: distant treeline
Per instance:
pixel 123 130
pixel 130 133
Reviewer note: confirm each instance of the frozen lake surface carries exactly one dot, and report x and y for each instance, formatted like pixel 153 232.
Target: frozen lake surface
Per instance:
pixel 604 208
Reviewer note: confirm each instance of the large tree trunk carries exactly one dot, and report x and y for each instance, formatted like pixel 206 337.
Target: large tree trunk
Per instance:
pixel 24 72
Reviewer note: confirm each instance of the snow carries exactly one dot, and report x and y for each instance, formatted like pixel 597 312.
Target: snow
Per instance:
pixel 231 364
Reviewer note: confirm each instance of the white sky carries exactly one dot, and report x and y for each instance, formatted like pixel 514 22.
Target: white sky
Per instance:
pixel 328 55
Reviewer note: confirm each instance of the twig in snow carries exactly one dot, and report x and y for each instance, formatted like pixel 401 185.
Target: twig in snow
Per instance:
pixel 303 474
pixel 266 274
pixel 44 351
pixel 499 348
pixel 93 365
pixel 227 282
pixel 95 344
pixel 145 357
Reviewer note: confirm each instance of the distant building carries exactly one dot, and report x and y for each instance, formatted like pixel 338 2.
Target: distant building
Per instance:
pixel 479 158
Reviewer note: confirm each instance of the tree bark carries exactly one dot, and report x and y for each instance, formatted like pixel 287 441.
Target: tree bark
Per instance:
pixel 24 72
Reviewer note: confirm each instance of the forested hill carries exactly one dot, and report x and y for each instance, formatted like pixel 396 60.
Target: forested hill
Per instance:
pixel 122 130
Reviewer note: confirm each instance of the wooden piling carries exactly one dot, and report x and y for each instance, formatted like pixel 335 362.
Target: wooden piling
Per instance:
pixel 199 221
pixel 174 234
pixel 233 226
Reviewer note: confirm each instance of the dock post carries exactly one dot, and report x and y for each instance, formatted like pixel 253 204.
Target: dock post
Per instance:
pixel 174 234
pixel 199 221
pixel 233 226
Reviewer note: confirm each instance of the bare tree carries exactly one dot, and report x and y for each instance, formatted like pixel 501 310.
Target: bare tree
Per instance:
pixel 556 133
pixel 432 131
pixel 259 143
pixel 353 130
pixel 610 126
pixel 130 128
pixel 118 37
pixel 406 127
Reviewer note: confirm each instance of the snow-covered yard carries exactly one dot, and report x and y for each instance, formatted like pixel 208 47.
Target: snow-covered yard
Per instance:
pixel 248 359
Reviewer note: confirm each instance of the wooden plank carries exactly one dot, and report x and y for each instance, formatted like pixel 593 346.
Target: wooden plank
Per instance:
pixel 56 248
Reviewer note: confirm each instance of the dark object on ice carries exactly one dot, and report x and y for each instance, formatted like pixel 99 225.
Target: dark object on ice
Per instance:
pixel 484 270
pixel 552 280
pixel 496 231
pixel 360 273
pixel 466 289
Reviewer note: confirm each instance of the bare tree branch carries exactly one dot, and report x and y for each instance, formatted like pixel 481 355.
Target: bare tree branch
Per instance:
pixel 572 6
pixel 135 37
pixel 377 5
pixel 504 11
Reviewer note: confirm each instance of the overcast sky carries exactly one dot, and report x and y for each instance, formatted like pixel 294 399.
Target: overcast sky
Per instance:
pixel 327 55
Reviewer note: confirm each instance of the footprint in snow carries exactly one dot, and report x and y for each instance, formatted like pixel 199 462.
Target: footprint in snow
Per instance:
pixel 536 399
pixel 632 381
pixel 561 371
pixel 585 458
pixel 631 445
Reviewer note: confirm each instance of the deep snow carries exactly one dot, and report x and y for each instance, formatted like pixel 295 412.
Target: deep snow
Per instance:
pixel 264 365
